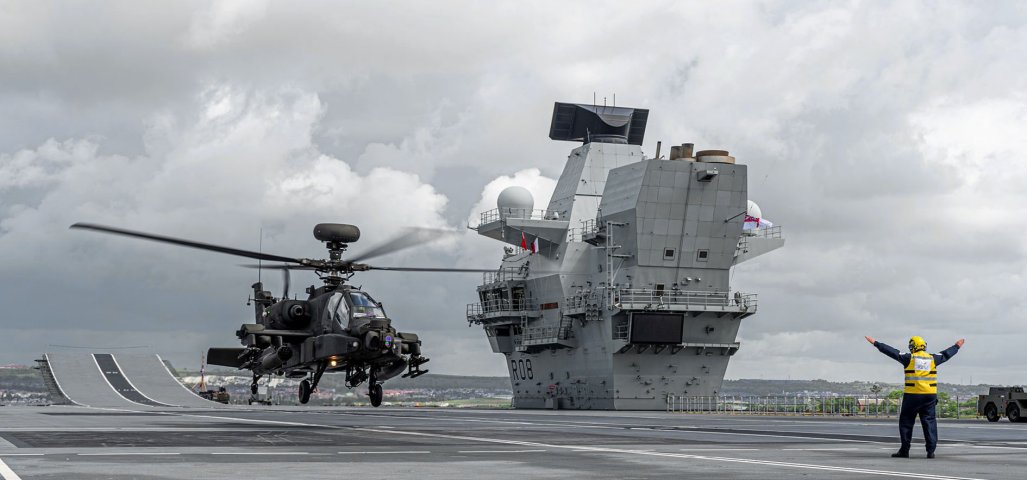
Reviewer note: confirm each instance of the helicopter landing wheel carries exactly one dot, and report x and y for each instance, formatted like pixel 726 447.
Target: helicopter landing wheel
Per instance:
pixel 253 388
pixel 305 391
pixel 375 392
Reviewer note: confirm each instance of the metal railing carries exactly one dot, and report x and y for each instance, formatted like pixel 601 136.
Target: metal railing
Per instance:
pixel 545 334
pixel 503 275
pixel 657 298
pixel 574 234
pixel 772 232
pixel 497 214
pixel 583 300
pixel 590 226
pixel 480 310
pixel 743 241
pixel 860 405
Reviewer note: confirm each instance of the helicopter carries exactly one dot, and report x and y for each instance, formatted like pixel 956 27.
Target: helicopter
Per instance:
pixel 338 328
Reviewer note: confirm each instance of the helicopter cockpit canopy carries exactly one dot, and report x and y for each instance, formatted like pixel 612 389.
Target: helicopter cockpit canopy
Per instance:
pixel 364 306
pixel 351 309
pixel 338 309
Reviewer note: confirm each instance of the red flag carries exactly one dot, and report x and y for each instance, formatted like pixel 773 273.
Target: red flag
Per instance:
pixel 524 242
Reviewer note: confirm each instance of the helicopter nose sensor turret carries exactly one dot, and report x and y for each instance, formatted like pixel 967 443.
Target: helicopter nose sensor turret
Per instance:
pixel 336 232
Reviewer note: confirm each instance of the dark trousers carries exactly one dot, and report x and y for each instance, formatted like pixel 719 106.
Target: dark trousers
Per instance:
pixel 923 405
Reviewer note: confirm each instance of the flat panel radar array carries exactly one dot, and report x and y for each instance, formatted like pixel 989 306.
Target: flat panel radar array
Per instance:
pixel 616 294
pixel 601 124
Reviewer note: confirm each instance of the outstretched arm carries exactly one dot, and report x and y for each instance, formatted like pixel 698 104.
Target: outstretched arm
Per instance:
pixel 888 350
pixel 945 355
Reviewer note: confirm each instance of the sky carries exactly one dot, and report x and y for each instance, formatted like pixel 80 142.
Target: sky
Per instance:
pixel 885 137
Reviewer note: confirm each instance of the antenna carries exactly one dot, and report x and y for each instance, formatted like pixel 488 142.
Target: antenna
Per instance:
pixel 260 249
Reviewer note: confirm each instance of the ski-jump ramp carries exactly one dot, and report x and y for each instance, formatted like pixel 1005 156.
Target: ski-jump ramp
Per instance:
pixel 117 381
pixel 152 378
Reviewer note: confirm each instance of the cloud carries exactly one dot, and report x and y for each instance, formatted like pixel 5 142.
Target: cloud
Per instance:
pixel 246 163
pixel 883 137
pixel 223 20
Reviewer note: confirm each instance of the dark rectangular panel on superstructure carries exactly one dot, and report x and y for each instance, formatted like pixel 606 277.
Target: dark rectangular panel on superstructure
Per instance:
pixel 656 327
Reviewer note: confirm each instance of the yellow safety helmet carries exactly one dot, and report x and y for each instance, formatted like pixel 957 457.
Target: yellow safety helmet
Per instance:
pixel 917 344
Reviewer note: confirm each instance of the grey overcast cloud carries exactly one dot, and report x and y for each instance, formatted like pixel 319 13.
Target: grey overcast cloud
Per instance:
pixel 885 137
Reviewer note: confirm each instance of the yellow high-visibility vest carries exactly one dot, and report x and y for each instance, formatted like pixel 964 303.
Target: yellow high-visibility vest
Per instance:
pixel 921 374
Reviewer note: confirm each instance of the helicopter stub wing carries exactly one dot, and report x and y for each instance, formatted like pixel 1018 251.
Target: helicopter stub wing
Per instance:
pixel 227 357
pixel 257 329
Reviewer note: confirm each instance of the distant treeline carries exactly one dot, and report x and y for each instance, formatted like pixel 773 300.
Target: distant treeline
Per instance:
pixel 29 380
pixel 790 387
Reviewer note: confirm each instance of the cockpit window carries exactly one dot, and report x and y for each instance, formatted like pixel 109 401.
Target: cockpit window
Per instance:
pixel 363 306
pixel 339 309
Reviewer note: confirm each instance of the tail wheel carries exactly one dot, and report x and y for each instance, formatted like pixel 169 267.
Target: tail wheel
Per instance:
pixel 991 412
pixel 375 392
pixel 1013 413
pixel 304 391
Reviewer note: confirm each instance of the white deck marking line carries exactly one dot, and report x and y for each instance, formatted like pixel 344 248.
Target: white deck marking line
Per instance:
pixel 116 392
pixel 6 473
pixel 118 454
pixel 615 426
pixel 122 372
pixel 819 449
pixel 391 452
pixel 166 369
pixel 259 453
pixel 500 451
pixel 58 382
pixel 819 439
pixel 606 450
pixel 718 449
pixel 618 426
pixel 686 456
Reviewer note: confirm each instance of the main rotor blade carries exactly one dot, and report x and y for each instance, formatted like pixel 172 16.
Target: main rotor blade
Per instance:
pixel 184 243
pixel 361 267
pixel 409 237
pixel 433 269
pixel 279 267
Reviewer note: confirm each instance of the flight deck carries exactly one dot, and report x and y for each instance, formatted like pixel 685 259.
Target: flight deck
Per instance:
pixel 61 442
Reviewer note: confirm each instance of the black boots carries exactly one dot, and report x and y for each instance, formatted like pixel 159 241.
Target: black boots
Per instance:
pixel 905 454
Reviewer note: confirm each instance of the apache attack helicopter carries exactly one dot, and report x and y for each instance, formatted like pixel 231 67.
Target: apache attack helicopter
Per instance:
pixel 338 328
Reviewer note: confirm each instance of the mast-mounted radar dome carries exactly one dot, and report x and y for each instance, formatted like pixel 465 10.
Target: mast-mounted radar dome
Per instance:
pixel 515 202
pixel 753 210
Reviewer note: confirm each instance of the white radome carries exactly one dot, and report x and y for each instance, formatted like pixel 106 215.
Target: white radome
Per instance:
pixel 515 200
pixel 753 210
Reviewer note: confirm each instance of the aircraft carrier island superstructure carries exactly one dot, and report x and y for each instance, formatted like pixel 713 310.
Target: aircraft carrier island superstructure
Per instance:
pixel 617 295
